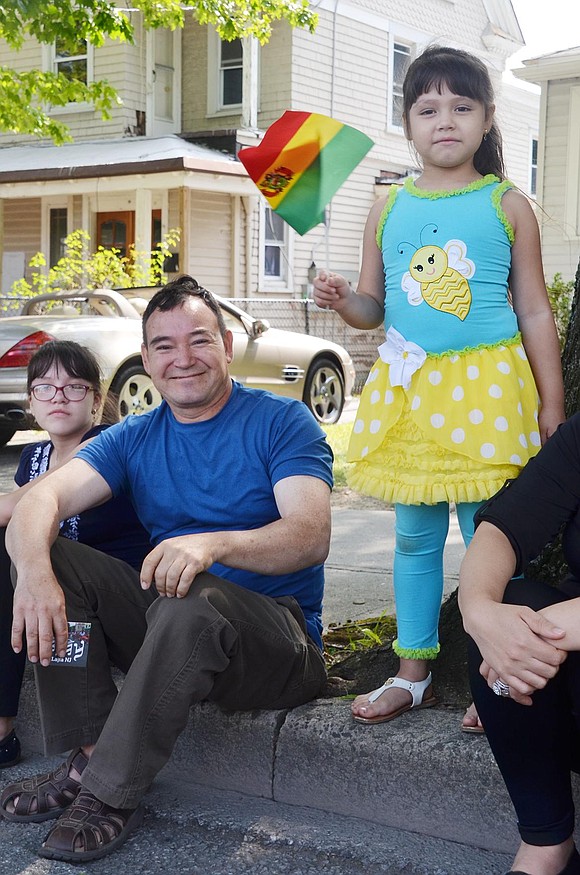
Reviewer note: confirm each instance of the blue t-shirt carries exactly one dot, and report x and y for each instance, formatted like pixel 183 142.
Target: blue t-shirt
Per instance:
pixel 112 527
pixel 217 475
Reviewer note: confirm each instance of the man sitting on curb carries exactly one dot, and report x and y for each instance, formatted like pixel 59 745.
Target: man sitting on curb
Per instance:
pixel 233 485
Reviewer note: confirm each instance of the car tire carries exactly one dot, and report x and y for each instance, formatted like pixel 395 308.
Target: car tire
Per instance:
pixel 134 392
pixel 324 390
pixel 7 432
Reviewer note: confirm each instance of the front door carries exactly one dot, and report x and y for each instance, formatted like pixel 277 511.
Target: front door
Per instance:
pixel 116 231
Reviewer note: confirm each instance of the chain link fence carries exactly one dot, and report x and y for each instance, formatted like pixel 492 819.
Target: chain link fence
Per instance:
pixel 305 317
pixel 10 306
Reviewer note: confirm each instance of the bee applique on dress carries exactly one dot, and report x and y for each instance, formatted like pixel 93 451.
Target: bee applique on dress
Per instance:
pixel 439 276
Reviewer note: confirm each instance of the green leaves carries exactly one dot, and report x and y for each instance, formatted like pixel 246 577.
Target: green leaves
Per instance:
pixel 93 20
pixel 239 18
pixel 96 20
pixel 26 97
pixel 106 268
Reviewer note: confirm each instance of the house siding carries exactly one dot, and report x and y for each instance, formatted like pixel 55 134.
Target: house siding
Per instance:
pixel 210 246
pixel 21 231
pixel 560 237
pixel 194 63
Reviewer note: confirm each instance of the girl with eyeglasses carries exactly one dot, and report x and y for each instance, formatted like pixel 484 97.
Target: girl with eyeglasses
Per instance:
pixel 65 397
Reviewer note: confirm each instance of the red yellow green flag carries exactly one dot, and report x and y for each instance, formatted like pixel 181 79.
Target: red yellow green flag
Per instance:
pixel 301 163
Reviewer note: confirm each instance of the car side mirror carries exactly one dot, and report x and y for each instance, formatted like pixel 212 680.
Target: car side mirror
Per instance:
pixel 259 326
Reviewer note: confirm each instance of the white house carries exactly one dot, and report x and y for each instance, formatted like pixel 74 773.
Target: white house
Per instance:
pixel 167 156
pixel 558 192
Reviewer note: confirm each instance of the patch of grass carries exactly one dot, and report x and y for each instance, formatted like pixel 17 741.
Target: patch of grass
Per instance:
pixel 338 437
pixel 342 640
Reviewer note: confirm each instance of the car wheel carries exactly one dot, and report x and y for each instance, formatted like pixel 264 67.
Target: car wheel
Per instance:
pixel 134 391
pixel 7 432
pixel 324 390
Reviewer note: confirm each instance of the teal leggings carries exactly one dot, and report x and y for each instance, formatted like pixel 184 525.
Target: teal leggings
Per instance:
pixel 420 533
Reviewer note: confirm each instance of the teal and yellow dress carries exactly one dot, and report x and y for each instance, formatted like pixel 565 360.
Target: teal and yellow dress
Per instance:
pixel 450 408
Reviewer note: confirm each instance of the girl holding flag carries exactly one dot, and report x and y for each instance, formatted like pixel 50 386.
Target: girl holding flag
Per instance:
pixel 452 265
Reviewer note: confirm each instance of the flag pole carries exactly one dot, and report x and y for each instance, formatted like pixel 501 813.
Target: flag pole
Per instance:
pixel 327 220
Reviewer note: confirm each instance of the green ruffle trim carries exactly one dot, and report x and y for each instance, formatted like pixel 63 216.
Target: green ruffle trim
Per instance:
pixel 410 186
pixel 511 341
pixel 415 653
pixel 496 197
pixel 393 191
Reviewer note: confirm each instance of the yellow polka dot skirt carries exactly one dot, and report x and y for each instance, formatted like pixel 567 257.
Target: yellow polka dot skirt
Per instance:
pixel 467 423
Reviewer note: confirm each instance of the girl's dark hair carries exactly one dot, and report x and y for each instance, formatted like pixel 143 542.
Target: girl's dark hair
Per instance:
pixel 463 74
pixel 76 360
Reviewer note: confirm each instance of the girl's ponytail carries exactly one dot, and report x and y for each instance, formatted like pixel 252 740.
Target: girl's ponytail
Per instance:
pixel 489 156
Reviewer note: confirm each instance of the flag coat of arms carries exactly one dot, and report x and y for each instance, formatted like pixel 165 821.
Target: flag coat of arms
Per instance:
pixel 301 163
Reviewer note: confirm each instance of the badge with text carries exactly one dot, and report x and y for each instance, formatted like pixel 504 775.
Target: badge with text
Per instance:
pixel 77 646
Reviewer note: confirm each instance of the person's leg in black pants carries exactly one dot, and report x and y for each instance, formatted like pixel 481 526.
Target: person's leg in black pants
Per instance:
pixel 11 664
pixel 534 746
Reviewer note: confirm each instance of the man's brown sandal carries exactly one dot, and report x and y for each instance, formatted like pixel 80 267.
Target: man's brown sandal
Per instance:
pixel 46 796
pixel 89 830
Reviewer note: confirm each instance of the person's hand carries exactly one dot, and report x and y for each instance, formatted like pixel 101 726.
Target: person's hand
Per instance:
pixel 331 291
pixel 518 646
pixel 39 610
pixel 548 421
pixel 173 565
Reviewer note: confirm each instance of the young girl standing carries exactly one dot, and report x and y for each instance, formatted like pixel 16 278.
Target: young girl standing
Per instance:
pixel 450 409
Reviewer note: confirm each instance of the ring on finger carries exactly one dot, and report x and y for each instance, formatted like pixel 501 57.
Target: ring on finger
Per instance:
pixel 500 688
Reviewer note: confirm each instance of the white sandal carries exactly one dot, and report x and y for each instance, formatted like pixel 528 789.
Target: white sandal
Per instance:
pixel 417 690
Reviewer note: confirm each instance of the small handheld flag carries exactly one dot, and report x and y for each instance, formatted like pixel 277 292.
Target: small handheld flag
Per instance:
pixel 301 163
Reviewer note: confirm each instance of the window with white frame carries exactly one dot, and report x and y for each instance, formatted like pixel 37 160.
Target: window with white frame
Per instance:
pixel 275 250
pixel 227 62
pixel 57 233
pixel 72 60
pixel 534 167
pixel 231 68
pixel 401 56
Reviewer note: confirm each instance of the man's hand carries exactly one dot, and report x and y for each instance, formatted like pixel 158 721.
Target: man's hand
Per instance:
pixel 519 646
pixel 174 564
pixel 39 610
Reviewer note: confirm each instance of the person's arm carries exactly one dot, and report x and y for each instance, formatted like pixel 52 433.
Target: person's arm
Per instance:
pixel 39 608
pixel 300 538
pixel 517 644
pixel 535 318
pixel 9 500
pixel 364 308
pixel 565 615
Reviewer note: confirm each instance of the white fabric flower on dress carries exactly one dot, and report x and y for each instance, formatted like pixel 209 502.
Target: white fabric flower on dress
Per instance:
pixel 403 356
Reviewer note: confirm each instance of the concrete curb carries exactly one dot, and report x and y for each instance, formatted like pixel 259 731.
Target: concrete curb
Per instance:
pixel 316 756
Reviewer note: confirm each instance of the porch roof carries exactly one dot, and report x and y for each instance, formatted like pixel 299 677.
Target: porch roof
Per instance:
pixel 563 64
pixel 38 162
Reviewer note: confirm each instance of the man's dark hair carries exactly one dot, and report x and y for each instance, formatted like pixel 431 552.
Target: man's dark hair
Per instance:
pixel 175 294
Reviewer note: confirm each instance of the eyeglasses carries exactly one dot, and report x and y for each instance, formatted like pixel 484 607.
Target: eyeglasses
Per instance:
pixel 72 391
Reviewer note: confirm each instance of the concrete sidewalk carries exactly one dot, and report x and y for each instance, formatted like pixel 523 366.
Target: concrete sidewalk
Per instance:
pixel 359 569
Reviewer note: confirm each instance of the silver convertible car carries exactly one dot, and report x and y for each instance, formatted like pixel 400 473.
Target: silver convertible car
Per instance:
pixel 313 370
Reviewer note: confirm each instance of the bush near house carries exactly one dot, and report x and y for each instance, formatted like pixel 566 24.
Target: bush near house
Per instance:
pixel 560 294
pixel 106 268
